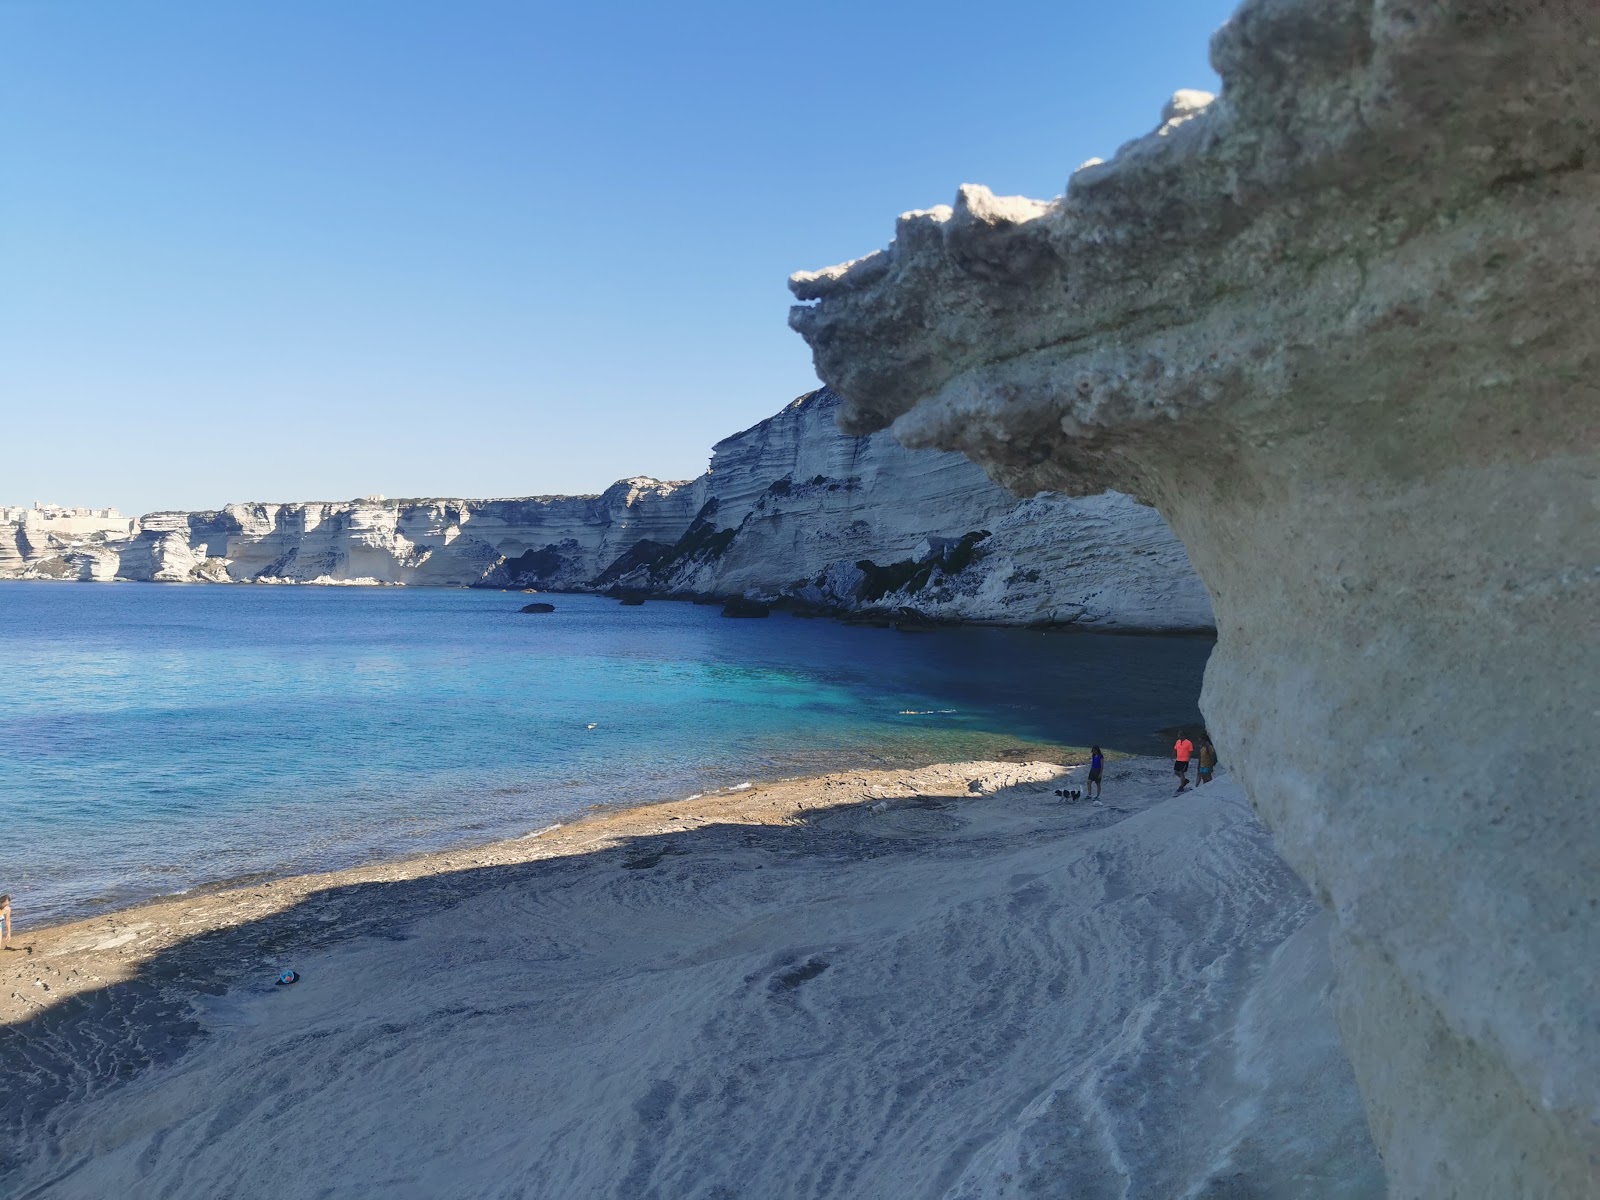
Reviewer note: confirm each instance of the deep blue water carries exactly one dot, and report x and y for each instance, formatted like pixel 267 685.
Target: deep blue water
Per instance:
pixel 153 737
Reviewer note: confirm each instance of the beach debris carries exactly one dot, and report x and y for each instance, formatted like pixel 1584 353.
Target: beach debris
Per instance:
pixel 592 725
pixel 287 978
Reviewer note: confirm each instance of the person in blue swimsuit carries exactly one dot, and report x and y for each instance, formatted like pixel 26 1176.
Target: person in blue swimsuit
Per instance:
pixel 1097 764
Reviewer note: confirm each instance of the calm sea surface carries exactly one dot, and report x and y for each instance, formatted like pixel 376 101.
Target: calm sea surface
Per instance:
pixel 153 738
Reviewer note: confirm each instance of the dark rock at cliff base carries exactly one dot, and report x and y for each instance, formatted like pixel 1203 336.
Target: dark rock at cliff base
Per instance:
pixel 538 607
pixel 740 607
pixel 631 601
pixel 877 618
pixel 908 620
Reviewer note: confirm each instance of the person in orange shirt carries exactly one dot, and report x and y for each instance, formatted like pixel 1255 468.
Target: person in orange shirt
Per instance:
pixel 1182 751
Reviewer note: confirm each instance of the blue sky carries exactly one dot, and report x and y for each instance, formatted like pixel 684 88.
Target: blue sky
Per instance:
pixel 317 248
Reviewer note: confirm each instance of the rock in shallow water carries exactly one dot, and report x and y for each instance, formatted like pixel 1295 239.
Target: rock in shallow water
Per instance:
pixel 740 607
pixel 539 606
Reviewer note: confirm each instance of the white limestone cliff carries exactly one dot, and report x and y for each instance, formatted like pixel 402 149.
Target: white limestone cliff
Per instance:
pixel 559 541
pixel 15 550
pixel 801 512
pixel 1339 326
pixel 790 510
pixel 49 533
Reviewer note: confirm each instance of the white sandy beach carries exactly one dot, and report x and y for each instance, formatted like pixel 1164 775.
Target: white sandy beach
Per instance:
pixel 941 982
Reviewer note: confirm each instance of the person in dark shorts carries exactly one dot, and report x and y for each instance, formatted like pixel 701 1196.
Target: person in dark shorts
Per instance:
pixel 1097 764
pixel 1182 752
pixel 1207 761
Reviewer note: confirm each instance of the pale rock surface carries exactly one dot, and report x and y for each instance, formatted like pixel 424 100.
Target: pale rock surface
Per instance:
pixel 800 505
pixel 86 564
pixel 422 542
pixel 1339 326
pixel 786 511
pixel 66 543
pixel 15 549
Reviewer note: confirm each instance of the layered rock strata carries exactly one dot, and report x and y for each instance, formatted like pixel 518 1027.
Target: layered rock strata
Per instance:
pixel 795 511
pixel 554 542
pixel 1339 326
pixel 15 550
pixel 41 534
pixel 791 510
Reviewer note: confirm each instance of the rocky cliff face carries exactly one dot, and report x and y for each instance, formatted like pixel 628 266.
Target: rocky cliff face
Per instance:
pixel 1339 326
pixel 15 550
pixel 797 511
pixel 549 542
pixel 29 547
pixel 790 510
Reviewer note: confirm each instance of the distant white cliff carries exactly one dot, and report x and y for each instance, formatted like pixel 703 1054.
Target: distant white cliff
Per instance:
pixel 791 510
pixel 30 533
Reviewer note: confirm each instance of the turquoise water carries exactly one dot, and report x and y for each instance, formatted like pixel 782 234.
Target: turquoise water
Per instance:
pixel 154 738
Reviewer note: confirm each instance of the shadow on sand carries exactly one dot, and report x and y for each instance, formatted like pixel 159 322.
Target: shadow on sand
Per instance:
pixel 95 1041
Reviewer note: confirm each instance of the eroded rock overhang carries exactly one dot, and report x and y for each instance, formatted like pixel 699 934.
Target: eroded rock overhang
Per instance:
pixel 1340 325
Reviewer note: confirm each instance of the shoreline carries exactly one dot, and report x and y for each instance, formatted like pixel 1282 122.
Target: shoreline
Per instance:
pixel 867 617
pixel 998 748
pixel 51 963
pixel 720 987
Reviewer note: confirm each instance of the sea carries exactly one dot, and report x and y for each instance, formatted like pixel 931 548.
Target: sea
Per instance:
pixel 159 738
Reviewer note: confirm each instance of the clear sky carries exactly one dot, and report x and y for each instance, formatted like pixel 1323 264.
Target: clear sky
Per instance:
pixel 311 249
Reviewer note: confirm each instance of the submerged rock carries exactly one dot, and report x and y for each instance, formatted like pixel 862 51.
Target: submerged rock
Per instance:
pixel 738 606
pixel 1338 324
pixel 538 606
